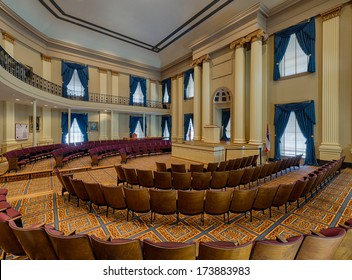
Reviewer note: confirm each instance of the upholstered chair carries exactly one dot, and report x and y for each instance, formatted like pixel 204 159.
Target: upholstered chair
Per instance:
pixel 168 250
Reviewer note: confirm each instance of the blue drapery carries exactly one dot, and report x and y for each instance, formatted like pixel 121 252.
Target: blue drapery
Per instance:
pixel 134 80
pixel 305 115
pixel 133 124
pixel 166 84
pixel 186 76
pixel 305 33
pixel 82 121
pixel 187 118
pixel 166 121
pixel 224 122
pixel 67 70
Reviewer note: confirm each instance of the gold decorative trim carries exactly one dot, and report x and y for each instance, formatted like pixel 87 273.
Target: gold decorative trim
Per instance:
pixel 6 36
pixel 239 43
pixel 174 78
pixel 46 58
pixel 180 75
pixel 200 60
pixel 257 35
pixel 331 14
pixel 115 73
pixel 102 70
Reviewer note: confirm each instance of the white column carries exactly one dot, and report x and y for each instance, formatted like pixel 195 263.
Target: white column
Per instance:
pixel 112 125
pixel 46 126
pixel 103 126
pixel 174 107
pixel 149 89
pixel 256 92
pixel 330 147
pixel 35 137
pixel 9 123
pixel 239 99
pixel 46 67
pixel 114 83
pixel 103 79
pixel 197 105
pixel 206 101
pixel 180 101
pixel 8 43
pixel 116 134
pixel 69 125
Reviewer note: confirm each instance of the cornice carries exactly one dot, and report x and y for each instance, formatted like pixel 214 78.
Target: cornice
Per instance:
pixel 46 58
pixel 200 60
pixel 331 13
pixel 6 36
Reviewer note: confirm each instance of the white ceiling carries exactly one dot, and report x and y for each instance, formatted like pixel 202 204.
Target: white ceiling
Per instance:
pixel 151 32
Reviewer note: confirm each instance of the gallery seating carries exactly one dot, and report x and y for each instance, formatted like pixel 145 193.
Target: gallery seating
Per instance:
pixel 224 250
pixel 162 180
pixel 168 250
pixel 114 198
pixel 162 202
pixel 190 203
pixel 137 200
pixel 218 203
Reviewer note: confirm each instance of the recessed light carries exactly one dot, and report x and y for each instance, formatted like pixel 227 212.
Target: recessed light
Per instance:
pixel 55 106
pixel 17 99
pixel 45 105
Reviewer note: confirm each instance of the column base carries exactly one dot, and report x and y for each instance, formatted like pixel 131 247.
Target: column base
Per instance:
pixel 255 142
pixel 240 141
pixel 330 151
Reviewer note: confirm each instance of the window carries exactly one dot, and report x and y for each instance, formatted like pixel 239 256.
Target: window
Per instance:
pixel 190 87
pixel 222 95
pixel 293 142
pixel 166 98
pixel 166 133
pixel 76 135
pixel 139 130
pixel 295 61
pixel 138 97
pixel 75 87
pixel 190 131
pixel 228 130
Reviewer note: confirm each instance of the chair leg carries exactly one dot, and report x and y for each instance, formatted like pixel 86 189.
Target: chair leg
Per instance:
pixel 270 211
pixel 286 207
pixel 107 210
pixel 151 217
pixel 298 203
pixel 177 218
pixel 127 213
pixel 90 207
pixel 250 214
pixel 77 202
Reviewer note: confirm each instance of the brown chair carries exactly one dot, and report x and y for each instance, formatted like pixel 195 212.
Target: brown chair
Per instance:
pixel 131 176
pixel 298 188
pixel 120 175
pixel 163 202
pixel 95 194
pixel 344 251
pixel 161 166
pixel 264 198
pixel 34 241
pixel 321 247
pixel 114 198
pixel 168 250
pixel 282 195
pixel 196 167
pixel 224 250
pixel 181 181
pixel 244 162
pixel 145 178
pixel 201 180
pixel 68 186
pixel 230 164
pixel 190 203
pixel 218 203
pixel 247 176
pixel 270 170
pixel 242 201
pixel 71 247
pixel 276 249
pixel 162 180
pixel 234 178
pixel 178 167
pixel 219 179
pixel 9 243
pixel 80 190
pixel 116 249
pixel 276 167
pixel 212 166
pixel 137 200
pixel 222 166
pixel 263 172
pixel 255 175
pixel 254 160
pixel 237 164
pixel 58 175
pixel 249 160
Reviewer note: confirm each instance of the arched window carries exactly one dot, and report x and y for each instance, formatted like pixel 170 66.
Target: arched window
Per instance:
pixel 222 95
pixel 75 87
pixel 76 135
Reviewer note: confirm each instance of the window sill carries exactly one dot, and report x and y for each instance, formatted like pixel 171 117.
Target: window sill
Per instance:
pixel 294 76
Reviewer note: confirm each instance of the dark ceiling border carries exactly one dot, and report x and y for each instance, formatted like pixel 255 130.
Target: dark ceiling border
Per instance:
pixel 201 16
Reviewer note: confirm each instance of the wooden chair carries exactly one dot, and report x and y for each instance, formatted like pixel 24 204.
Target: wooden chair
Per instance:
pixel 276 249
pixel 230 164
pixel 68 186
pixel 237 164
pixel 161 166
pixel 298 188
pixel 9 243
pixel 80 190
pixel 264 198
pixel 168 250
pixel 137 200
pixel 222 166
pixel 263 172
pixel 162 180
pixel 114 198
pixel 163 202
pixel 116 249
pixel 247 175
pixel 58 175
pixel 282 195
pixel 218 203
pixel 344 250
pixel 224 250
pixel 95 194
pixel 255 175
pixel 244 162
pixel 196 167
pixel 242 201
pixel 234 178
pixel 131 176
pixel 219 179
pixel 181 181
pixel 120 175
pixel 178 167
pixel 190 203
pixel 201 180
pixel 145 178
pixel 212 166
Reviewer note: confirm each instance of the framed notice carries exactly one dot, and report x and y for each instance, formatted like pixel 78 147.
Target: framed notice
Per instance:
pixel 21 131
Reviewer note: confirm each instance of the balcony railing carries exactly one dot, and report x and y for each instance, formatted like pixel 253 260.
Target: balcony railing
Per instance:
pixel 25 74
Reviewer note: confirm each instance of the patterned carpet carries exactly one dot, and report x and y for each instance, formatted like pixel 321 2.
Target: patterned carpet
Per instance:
pixel 39 200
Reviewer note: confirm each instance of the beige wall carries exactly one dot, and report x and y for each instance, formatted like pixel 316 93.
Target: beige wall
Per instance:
pixel 29 57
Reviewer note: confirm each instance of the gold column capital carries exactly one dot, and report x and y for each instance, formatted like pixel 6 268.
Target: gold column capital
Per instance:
pixel 258 35
pixel 331 13
pixel 115 73
pixel 174 78
pixel 8 37
pixel 180 75
pixel 239 43
pixel 200 60
pixel 102 70
pixel 46 58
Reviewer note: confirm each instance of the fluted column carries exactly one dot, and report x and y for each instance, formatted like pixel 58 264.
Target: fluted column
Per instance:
pixel 174 112
pixel 239 100
pixel 69 125
pixel 256 90
pixel 330 147
pixel 115 83
pixel 180 100
pixel 46 124
pixel 103 78
pixel 112 125
pixel 206 113
pixel 103 129
pixel 35 137
pixel 9 41
pixel 9 123
pixel 197 105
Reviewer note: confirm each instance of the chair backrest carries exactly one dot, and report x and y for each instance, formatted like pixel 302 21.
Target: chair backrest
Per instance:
pixel 68 186
pixel 276 250
pixel 298 188
pixel 247 175
pixel 114 197
pixel 256 173
pixel 237 163
pixel 316 247
pixel 212 166
pixel 168 250
pixel 264 170
pixel 181 181
pixel 217 202
pixel 163 201
pixel 116 249
pixel 244 162
pixel 222 166
pixel 80 190
pixel 234 178
pixel 145 178
pixel 8 240
pixel 344 251
pixel 34 242
pixel 162 180
pixel 190 202
pixel 282 194
pixel 131 176
pixel 201 180
pixel 196 167
pixel 230 164
pixel 161 166
pixel 137 200
pixel 264 197
pixel 178 167
pixel 121 178
pixel 242 200
pixel 219 179
pixel 95 193
pixel 224 250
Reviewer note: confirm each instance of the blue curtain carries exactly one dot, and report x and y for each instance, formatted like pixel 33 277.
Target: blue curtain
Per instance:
pixel 133 124
pixel 166 84
pixel 67 70
pixel 186 76
pixel 224 122
pixel 82 121
pixel 133 86
pixel 64 126
pixel 166 121
pixel 305 33
pixel 305 115
pixel 187 118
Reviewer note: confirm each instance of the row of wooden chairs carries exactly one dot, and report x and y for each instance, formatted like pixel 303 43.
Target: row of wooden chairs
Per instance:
pixel 44 242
